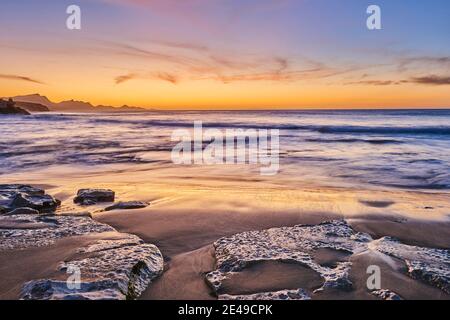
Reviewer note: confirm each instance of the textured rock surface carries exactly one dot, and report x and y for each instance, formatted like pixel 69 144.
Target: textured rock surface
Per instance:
pixel 118 267
pixel 43 230
pixel 277 295
pixel 386 294
pixel 127 205
pixel 13 196
pixel 297 245
pixel 288 244
pixel 92 196
pixel 114 269
pixel 427 264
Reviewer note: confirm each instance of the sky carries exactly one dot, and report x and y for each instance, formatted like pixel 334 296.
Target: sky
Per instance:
pixel 229 54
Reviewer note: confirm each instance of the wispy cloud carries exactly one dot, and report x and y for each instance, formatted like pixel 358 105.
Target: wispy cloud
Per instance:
pixel 20 78
pixel 377 82
pixel 425 80
pixel 124 78
pixel 224 67
pixel 432 80
pixel 164 76
pixel 424 62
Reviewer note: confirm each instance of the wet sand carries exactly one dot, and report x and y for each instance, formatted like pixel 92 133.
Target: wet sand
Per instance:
pixel 189 254
pixel 187 215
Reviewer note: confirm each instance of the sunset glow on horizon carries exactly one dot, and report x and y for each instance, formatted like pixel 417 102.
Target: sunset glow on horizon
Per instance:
pixel 199 54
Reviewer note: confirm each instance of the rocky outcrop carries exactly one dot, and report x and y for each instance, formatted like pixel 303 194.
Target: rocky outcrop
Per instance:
pixel 116 269
pixel 15 196
pixel 27 231
pixel 127 205
pixel 9 107
pixel 299 294
pixel 426 264
pixel 385 294
pixel 112 266
pixel 299 243
pixel 89 197
pixel 117 266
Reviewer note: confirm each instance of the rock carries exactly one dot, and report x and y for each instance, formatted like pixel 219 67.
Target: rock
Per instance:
pixel 58 290
pixel 112 265
pixel 21 188
pixel 115 269
pixel 24 210
pixel 13 196
pixel 42 203
pixel 89 197
pixel 429 265
pixel 385 294
pixel 9 107
pixel 277 295
pixel 288 244
pixel 127 205
pixel 46 230
pixel 299 243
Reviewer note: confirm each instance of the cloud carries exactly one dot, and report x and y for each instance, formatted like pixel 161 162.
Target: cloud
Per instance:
pixel 213 65
pixel 21 78
pixel 378 82
pixel 432 80
pixel 124 78
pixel 182 45
pixel 424 63
pixel 425 80
pixel 164 76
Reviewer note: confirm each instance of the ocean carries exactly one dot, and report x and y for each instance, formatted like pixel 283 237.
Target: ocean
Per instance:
pixel 406 149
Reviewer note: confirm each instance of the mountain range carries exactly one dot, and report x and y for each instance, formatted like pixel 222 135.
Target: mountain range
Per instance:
pixel 39 103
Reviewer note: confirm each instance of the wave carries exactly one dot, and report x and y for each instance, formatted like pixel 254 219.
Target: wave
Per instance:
pixel 441 130
pixel 430 130
pixel 144 122
pixel 355 140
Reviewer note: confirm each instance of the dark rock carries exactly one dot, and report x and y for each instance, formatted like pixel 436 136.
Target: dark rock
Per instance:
pixel 386 294
pixel 92 196
pixel 21 188
pixel 45 203
pixel 9 107
pixel 14 196
pixel 127 205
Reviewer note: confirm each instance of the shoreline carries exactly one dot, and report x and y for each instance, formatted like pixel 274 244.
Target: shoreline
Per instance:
pixel 185 219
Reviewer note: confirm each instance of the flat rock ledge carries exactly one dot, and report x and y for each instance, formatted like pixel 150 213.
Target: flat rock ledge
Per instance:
pixel 297 245
pixel 117 266
pixel 127 205
pixel 299 294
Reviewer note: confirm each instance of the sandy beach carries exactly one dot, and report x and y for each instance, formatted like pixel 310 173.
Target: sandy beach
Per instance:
pixel 187 216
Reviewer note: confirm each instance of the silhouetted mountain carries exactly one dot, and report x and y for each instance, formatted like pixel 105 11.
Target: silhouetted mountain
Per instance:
pixel 9 107
pixel 32 107
pixel 70 105
pixel 34 98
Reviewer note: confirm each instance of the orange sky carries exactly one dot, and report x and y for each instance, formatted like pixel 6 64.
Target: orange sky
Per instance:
pixel 186 56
